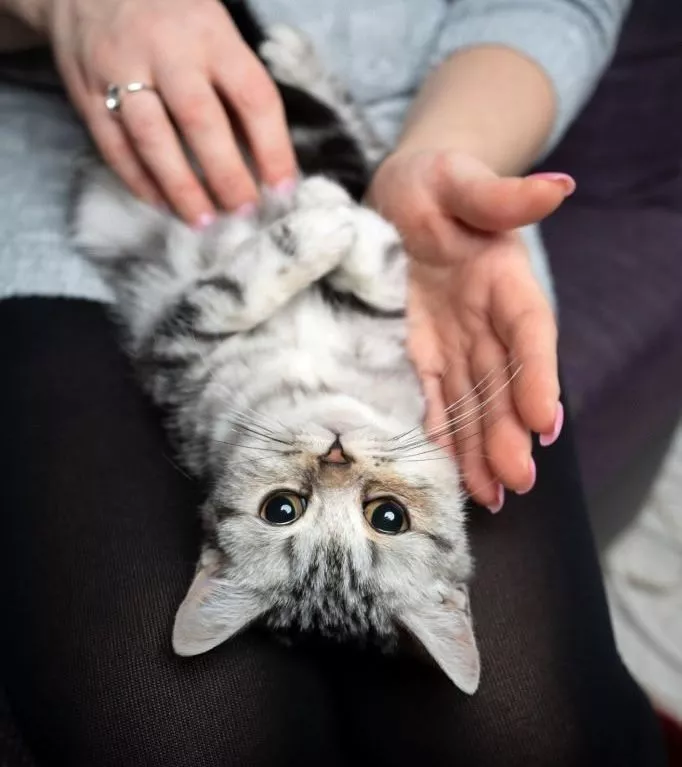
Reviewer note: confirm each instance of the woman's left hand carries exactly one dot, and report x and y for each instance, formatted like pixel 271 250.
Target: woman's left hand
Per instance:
pixel 482 333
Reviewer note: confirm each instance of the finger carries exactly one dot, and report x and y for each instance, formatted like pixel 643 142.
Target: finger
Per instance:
pixel 111 140
pixel 252 94
pixel 203 122
pixel 436 416
pixel 527 329
pixel 155 141
pixel 118 153
pixel 474 194
pixel 507 443
pixel 465 431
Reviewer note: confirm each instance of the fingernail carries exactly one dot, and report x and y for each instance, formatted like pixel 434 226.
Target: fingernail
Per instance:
pixel 246 210
pixel 533 477
pixel 550 438
pixel 499 501
pixel 568 182
pixel 204 220
pixel 286 186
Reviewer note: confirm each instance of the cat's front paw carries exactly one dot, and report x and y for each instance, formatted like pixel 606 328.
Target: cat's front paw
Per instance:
pixel 318 191
pixel 291 57
pixel 375 268
pixel 321 236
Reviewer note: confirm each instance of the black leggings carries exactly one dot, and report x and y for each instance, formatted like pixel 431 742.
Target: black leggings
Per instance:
pixel 97 546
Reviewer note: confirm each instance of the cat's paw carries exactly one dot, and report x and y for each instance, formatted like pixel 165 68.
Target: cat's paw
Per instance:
pixel 375 268
pixel 291 58
pixel 311 192
pixel 320 235
pixel 318 191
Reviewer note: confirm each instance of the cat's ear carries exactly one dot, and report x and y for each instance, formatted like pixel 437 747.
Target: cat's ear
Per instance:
pixel 445 630
pixel 106 219
pixel 212 612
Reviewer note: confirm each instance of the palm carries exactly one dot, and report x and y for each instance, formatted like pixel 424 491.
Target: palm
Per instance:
pixel 478 373
pixel 482 337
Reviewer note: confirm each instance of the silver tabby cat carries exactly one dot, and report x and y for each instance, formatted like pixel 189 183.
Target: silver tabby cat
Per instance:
pixel 275 343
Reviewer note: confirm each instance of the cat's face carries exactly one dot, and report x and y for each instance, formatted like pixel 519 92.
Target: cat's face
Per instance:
pixel 333 518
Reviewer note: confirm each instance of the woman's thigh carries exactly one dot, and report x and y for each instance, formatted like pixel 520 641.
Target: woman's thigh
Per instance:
pixel 553 688
pixel 99 538
pixel 98 545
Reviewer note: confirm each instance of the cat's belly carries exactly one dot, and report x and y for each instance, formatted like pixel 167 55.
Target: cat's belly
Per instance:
pixel 349 354
pixel 310 347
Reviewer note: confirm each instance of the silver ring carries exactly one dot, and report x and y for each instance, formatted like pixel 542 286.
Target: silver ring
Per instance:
pixel 115 93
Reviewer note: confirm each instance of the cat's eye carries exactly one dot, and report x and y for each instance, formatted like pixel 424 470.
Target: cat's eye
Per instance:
pixel 282 508
pixel 387 516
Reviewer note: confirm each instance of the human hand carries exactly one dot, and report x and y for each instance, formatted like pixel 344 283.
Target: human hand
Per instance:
pixel 477 313
pixel 191 53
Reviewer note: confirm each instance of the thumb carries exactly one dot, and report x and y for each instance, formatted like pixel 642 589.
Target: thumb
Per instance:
pixel 475 195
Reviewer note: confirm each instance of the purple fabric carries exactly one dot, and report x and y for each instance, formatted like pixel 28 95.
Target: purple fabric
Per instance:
pixel 616 249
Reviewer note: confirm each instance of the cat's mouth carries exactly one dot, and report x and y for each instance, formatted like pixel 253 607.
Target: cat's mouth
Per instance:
pixel 336 455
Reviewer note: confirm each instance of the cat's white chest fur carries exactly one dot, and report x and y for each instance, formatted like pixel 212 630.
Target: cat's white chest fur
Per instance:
pixel 314 358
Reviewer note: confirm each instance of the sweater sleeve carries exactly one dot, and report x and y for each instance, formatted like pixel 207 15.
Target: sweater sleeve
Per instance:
pixel 571 40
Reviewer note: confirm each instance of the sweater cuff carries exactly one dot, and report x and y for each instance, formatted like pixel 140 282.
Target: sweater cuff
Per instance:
pixel 567 46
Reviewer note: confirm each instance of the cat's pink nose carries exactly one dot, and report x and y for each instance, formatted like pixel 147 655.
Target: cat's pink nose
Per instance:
pixel 335 454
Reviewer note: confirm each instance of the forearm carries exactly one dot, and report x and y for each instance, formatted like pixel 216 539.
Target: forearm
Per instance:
pixel 488 101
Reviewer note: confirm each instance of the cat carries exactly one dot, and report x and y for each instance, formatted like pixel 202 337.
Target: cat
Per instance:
pixel 275 342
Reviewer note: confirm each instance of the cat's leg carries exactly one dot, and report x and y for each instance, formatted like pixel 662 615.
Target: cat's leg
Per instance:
pixel 172 281
pixel 292 59
pixel 374 271
pixel 247 286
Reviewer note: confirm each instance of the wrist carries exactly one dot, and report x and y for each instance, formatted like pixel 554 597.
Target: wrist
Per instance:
pixel 426 140
pixel 488 102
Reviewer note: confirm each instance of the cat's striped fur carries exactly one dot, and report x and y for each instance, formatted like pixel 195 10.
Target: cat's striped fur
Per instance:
pixel 275 343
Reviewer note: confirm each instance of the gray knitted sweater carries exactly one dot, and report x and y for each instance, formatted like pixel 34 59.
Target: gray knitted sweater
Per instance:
pixel 382 49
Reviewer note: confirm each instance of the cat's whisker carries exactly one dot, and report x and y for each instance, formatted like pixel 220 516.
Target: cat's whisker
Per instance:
pixel 480 419
pixel 481 404
pixel 266 437
pixel 458 428
pixel 493 483
pixel 432 458
pixel 479 388
pixel 446 426
pixel 176 465
pixel 251 422
pixel 242 446
pixel 481 432
pixel 412 454
pixel 268 422
pixel 474 413
pixel 265 421
pixel 489 384
pixel 249 417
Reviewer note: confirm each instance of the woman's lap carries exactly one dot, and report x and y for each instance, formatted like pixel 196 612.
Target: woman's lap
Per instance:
pixel 99 541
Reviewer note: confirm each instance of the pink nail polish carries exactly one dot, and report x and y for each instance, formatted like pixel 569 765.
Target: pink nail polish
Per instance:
pixel 205 220
pixel 285 186
pixel 533 477
pixel 568 182
pixel 499 501
pixel 549 439
pixel 245 211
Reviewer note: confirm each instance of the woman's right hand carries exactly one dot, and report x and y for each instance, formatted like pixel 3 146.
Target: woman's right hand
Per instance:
pixel 192 54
